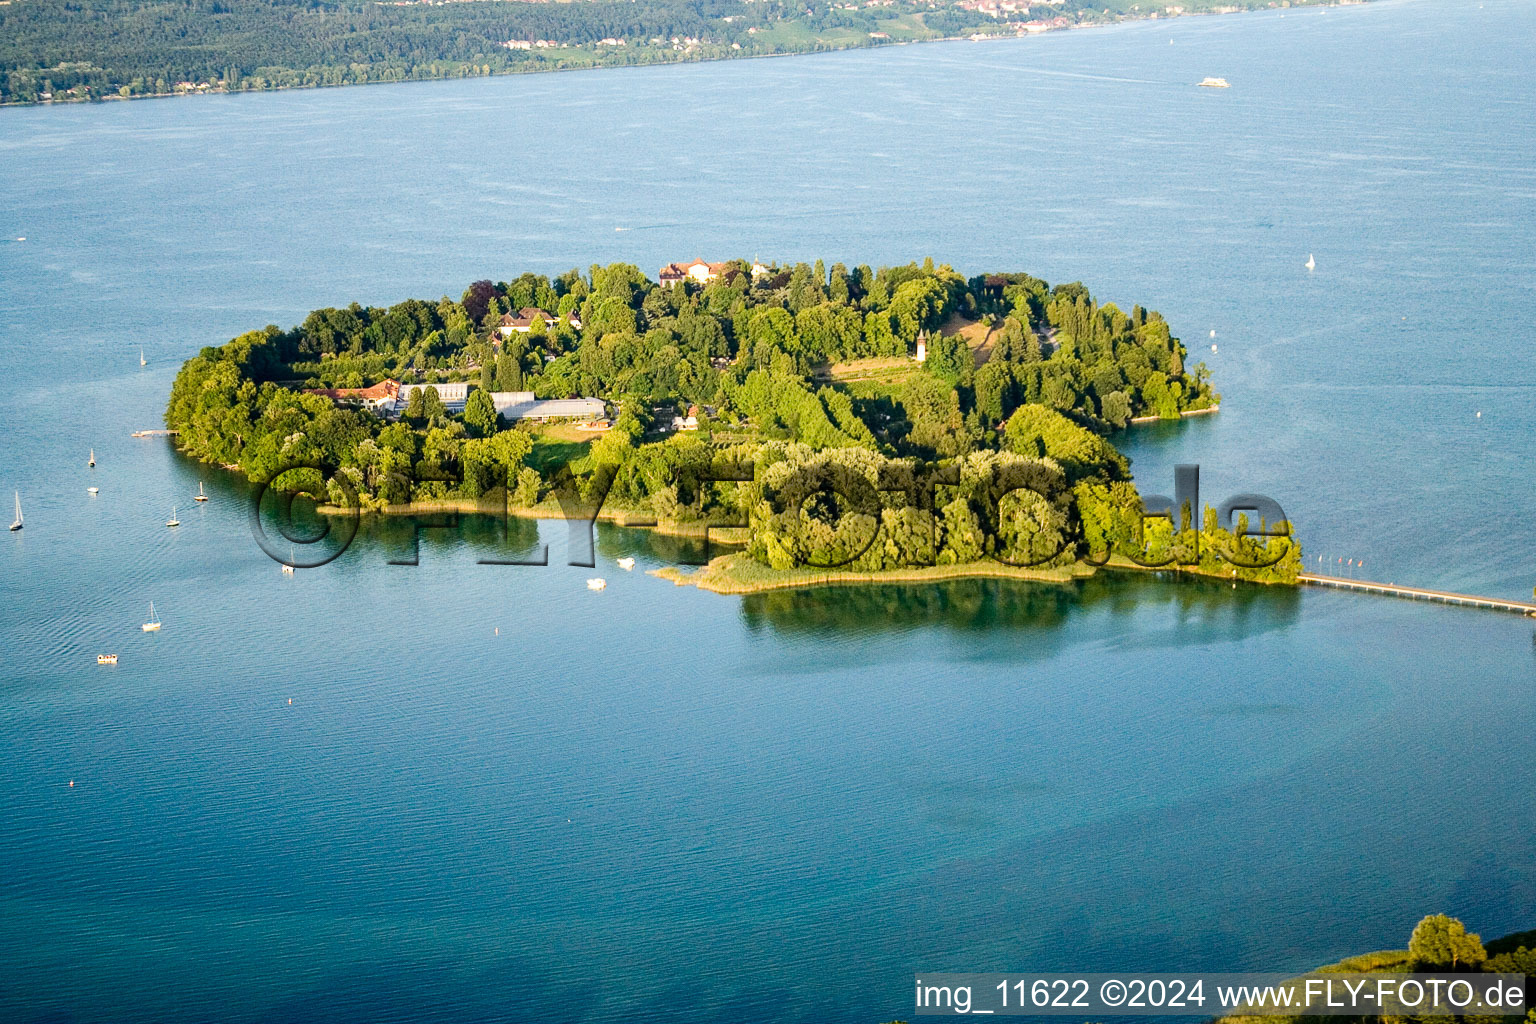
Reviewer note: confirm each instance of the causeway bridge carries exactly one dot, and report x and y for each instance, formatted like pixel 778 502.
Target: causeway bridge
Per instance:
pixel 1498 604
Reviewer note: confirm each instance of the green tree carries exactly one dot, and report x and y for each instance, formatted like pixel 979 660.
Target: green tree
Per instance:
pixel 1117 409
pixel 1442 941
pixel 1015 343
pixel 1038 432
pixel 948 357
pixel 480 414
pixel 416 405
pixel 431 403
pixel 509 369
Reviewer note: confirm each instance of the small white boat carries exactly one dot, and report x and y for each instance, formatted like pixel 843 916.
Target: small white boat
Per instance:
pixel 1213 350
pixel 173 521
pixel 1214 83
pixel 1311 263
pixel 93 490
pixel 141 356
pixel 92 463
pixel 596 584
pixel 105 659
pixel 626 564
pixel 287 569
pixel 200 496
pixel 18 524
pixel 153 625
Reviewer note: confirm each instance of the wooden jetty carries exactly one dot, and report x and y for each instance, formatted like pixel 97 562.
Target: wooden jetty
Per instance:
pixel 1419 593
pixel 155 433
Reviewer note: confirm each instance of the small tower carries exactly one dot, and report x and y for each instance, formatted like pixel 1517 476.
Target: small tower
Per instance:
pixel 922 346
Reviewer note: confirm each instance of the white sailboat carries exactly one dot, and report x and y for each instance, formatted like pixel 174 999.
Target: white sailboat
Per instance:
pixel 173 521
pixel 141 356
pixel 18 523
pixel 153 625
pixel 1311 263
pixel 288 565
pixel 92 463
pixel 200 496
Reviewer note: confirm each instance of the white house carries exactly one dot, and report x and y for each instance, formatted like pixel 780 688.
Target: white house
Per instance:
pixel 522 323
pixel 698 271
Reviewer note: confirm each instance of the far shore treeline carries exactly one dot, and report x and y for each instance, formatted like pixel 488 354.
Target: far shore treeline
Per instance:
pixel 784 399
pixel 54 51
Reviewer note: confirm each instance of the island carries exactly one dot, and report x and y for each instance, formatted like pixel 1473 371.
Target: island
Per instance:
pixel 819 424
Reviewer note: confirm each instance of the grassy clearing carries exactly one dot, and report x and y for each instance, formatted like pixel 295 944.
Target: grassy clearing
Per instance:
pixel 557 444
pixel 884 369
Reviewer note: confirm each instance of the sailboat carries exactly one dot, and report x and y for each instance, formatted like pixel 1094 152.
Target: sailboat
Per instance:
pixel 141 356
pixel 1311 263
pixel 153 625
pixel 173 521
pixel 288 565
pixel 92 463
pixel 200 496
pixel 18 523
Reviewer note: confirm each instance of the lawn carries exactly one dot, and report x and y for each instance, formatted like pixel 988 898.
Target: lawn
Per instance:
pixel 556 444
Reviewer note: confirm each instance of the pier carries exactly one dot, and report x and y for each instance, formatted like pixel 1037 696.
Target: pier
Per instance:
pixel 1498 604
pixel 154 433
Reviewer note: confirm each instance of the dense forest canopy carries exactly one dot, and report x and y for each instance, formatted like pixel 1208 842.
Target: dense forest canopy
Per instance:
pixel 792 375
pixel 91 49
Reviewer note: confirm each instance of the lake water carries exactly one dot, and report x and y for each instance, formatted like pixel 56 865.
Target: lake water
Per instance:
pixel 496 795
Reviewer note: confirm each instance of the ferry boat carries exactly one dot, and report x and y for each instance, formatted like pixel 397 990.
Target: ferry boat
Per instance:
pixel 106 659
pixel 1214 83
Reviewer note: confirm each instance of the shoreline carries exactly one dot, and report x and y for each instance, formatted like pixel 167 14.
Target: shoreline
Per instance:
pixel 736 575
pixel 1186 414
pixel 1124 20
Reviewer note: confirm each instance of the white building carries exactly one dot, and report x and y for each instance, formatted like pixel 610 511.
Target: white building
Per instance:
pixel 521 405
pixel 698 271
pixel 453 394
